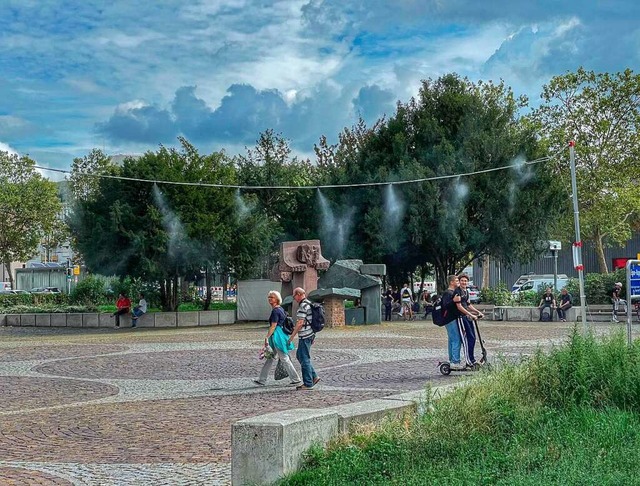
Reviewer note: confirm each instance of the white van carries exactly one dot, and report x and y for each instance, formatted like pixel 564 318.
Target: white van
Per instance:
pixel 534 282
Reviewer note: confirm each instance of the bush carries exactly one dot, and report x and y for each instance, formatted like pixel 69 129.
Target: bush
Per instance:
pixel 91 290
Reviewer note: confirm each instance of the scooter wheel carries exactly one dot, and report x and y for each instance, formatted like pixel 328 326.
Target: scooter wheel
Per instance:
pixel 445 368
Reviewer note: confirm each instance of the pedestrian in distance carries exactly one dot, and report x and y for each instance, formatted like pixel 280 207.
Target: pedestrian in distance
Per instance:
pixel 548 301
pixel 306 338
pixel 616 301
pixel 138 310
pixel 123 304
pixel 279 342
pixel 407 302
pixel 387 300
pixel 564 304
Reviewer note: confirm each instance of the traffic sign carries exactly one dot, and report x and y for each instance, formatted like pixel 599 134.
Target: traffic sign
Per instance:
pixel 633 274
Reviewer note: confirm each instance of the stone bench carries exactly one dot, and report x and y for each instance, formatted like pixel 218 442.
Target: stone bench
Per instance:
pixel 267 447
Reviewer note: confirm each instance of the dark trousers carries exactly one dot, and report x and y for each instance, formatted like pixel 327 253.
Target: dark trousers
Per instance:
pixel 562 313
pixel 470 336
pixel 118 313
pixel 387 312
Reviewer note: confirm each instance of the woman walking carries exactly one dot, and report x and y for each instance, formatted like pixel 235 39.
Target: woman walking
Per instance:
pixel 278 340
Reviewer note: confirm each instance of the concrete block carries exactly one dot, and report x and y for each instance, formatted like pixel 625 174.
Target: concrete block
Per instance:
pixel 74 320
pixel 267 447
pixel 147 320
pixel 106 320
pixel 28 320
pixel 520 313
pixel 58 320
pixel 371 411
pixel 208 318
pixel 188 319
pixel 226 316
pixel 165 319
pixel 13 320
pixel 43 320
pixel 3 320
pixel 373 269
pixel 90 320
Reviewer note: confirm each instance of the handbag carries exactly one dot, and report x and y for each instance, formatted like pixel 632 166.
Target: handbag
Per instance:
pixel 281 371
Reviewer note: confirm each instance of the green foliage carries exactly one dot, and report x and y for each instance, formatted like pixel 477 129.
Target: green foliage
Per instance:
pixel 29 207
pixel 165 233
pixel 454 126
pixel 48 308
pixel 498 295
pixel 570 417
pixel 91 290
pixel 600 112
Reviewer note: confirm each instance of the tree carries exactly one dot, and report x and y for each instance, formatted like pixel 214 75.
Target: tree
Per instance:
pixel 600 112
pixel 454 127
pixel 290 212
pixel 29 205
pixel 167 233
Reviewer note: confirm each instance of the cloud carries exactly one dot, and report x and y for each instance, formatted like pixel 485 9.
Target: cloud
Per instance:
pixel 139 123
pixel 372 102
pixel 6 148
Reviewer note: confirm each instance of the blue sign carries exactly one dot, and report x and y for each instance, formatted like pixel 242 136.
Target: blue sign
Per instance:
pixel 633 274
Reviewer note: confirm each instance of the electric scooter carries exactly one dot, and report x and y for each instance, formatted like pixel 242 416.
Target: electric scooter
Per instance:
pixel 446 368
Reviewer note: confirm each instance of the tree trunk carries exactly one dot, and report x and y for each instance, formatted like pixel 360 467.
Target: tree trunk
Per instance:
pixel 485 272
pixel 207 283
pixel 7 266
pixel 600 252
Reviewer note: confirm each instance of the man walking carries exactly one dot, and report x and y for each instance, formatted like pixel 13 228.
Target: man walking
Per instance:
pixel 306 338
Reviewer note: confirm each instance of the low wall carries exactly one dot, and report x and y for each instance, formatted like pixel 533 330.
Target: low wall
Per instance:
pixel 595 313
pixel 94 319
pixel 267 447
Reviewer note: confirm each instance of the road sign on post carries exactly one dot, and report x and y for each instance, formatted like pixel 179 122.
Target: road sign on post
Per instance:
pixel 633 291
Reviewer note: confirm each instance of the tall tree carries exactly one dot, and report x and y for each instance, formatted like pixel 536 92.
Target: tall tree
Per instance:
pixel 601 113
pixel 166 232
pixel 453 127
pixel 270 166
pixel 29 205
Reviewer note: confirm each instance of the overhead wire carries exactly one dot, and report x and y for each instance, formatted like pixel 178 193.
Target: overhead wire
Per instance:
pixel 326 186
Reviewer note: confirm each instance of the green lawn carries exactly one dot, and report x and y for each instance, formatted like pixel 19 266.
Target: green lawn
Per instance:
pixel 569 417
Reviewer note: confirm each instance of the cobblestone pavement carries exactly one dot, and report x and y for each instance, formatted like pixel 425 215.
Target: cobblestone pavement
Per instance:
pixel 151 406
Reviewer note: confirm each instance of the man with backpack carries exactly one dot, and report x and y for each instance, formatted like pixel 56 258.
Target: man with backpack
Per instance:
pixel 306 333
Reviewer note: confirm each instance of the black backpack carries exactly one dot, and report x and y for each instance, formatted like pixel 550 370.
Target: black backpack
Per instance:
pixel 288 324
pixel 440 313
pixel 317 317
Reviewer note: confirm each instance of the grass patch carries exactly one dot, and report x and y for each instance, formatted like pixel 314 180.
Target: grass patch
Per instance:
pixel 568 417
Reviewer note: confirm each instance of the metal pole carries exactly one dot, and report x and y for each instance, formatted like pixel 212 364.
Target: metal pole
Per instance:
pixel 555 270
pixel 578 243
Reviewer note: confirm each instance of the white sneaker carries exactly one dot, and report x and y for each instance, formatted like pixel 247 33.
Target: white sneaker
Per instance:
pixel 614 319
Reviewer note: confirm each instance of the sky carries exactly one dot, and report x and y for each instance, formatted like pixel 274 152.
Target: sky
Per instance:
pixel 127 77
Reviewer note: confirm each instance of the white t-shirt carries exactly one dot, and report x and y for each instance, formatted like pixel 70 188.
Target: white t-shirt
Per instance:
pixel 142 305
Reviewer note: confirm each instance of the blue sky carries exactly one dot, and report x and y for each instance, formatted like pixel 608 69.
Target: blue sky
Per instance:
pixel 125 78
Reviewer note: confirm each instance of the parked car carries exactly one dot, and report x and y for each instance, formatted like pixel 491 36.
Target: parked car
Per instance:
pixel 474 294
pixel 45 290
pixel 13 292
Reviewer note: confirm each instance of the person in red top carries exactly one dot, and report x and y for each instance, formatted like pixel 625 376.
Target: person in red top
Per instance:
pixel 123 305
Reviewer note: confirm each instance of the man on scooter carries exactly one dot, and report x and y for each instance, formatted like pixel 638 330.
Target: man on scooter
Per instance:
pixel 467 319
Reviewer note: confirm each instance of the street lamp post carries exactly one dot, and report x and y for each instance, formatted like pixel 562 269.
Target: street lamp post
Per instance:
pixel 577 246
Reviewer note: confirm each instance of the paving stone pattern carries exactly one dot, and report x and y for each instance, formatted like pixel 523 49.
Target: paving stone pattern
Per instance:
pixel 155 406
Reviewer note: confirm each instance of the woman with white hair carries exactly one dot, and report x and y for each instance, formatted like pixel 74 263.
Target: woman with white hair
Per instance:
pixel 278 340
